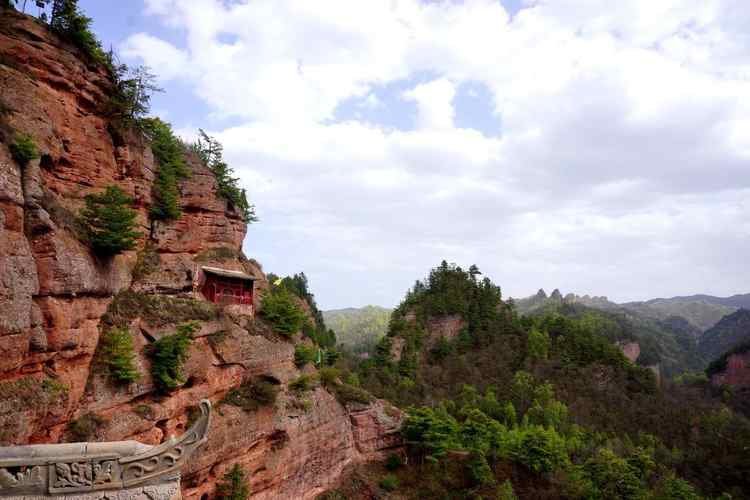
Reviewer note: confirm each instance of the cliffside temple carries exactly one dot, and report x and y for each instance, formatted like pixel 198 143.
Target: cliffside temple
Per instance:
pixel 225 287
pixel 122 469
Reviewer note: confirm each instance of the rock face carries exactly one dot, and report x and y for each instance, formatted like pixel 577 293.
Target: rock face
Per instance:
pixel 631 350
pixel 736 373
pixel 54 294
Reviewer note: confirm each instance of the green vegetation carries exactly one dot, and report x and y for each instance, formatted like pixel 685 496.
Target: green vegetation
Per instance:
pixel 280 309
pixel 732 331
pixel 389 482
pixel 303 383
pixel 156 310
pixel 482 410
pixel 118 356
pixel 359 329
pixel 130 99
pixel 720 364
pixel 253 394
pixel 24 149
pixel 147 262
pixel 169 154
pixel 84 428
pixel 211 152
pixel 71 24
pixel 234 485
pixel 145 411
pixel 299 286
pixel 304 354
pixel 110 222
pixel 168 354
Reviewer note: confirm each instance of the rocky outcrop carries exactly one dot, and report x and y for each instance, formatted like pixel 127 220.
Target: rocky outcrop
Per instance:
pixel 54 294
pixel 736 373
pixel 631 350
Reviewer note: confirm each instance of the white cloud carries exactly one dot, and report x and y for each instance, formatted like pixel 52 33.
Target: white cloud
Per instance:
pixel 621 168
pixel 434 103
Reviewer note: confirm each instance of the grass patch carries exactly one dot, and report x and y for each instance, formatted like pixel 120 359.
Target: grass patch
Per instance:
pixel 30 393
pixel 302 384
pixel 253 394
pixel 156 310
pixel 145 411
pixel 84 428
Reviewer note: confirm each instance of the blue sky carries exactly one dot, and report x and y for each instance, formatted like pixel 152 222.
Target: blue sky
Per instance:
pixel 590 146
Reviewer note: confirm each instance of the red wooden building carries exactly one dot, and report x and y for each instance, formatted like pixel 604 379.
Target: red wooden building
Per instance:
pixel 222 286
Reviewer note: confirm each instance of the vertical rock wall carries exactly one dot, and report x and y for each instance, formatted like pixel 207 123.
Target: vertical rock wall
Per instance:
pixel 54 293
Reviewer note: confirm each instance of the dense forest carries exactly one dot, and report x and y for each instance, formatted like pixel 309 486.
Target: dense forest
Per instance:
pixel 544 405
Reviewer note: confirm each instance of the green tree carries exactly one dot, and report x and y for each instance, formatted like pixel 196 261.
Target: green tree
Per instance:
pixel 234 485
pixel 119 356
pixel 282 311
pixel 130 101
pixel 169 154
pixel 538 344
pixel 211 152
pixel 110 222
pixel 168 355
pixel 70 23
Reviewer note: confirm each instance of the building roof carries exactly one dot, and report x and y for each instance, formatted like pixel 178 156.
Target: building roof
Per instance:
pixel 227 273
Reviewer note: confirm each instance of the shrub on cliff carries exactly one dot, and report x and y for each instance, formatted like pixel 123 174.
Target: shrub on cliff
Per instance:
pixel 168 355
pixel 24 149
pixel 118 356
pixel 234 485
pixel 110 222
pixel 282 311
pixel 169 154
pixel 253 394
pixel 84 428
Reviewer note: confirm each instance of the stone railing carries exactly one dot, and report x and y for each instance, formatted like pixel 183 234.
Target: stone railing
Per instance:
pixel 93 470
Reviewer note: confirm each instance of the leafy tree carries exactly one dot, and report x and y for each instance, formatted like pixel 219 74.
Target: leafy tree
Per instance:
pixel 109 221
pixel 119 356
pixel 234 485
pixel 282 311
pixel 304 354
pixel 211 152
pixel 168 355
pixel 24 149
pixel 538 344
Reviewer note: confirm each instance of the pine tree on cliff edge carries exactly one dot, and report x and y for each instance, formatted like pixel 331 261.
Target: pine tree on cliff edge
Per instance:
pixel 110 221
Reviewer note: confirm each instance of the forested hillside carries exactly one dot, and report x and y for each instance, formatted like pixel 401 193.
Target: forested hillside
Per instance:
pixel 728 333
pixel 359 329
pixel 544 405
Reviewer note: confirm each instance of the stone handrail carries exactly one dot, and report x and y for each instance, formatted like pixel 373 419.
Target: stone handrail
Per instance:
pixel 75 468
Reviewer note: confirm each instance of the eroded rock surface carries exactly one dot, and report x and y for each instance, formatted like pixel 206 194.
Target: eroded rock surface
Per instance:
pixel 54 294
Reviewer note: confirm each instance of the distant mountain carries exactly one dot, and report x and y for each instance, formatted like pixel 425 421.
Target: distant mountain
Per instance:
pixel 702 311
pixel 731 331
pixel 358 328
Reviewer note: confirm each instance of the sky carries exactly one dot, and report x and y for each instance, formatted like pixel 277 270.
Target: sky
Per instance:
pixel 592 146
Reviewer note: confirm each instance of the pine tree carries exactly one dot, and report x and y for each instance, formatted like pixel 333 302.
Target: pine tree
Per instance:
pixel 234 485
pixel 110 221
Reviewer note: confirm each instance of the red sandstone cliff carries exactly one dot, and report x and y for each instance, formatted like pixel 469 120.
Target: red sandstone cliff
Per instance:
pixel 54 292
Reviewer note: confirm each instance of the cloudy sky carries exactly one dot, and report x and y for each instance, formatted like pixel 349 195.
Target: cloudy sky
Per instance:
pixel 599 147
